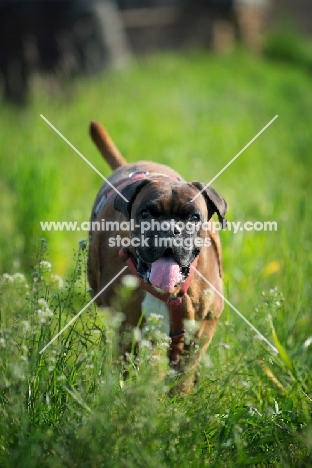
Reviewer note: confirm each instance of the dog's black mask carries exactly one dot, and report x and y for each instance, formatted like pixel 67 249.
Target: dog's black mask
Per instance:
pixel 165 224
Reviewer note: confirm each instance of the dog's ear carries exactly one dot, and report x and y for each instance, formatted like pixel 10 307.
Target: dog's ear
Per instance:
pixel 130 191
pixel 215 203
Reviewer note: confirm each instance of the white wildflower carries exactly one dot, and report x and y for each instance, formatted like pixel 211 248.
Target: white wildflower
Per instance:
pixel 19 278
pixel 44 311
pixel 191 327
pixel 57 281
pixel 206 361
pixel 137 334
pixel 155 319
pixel 130 281
pixel 155 357
pixel 307 342
pixel 224 345
pixel 61 377
pixel 146 344
pixel 42 302
pixel 6 278
pixel 44 265
pixel 18 372
pixel 116 319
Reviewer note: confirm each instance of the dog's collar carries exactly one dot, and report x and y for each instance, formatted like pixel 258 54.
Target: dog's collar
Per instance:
pixel 175 302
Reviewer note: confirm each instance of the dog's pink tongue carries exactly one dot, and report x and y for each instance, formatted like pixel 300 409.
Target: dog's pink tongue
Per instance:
pixel 165 273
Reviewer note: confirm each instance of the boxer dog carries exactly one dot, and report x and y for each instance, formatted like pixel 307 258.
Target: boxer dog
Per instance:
pixel 166 238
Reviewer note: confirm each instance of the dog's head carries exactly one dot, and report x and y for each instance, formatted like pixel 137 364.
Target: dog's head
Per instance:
pixel 168 233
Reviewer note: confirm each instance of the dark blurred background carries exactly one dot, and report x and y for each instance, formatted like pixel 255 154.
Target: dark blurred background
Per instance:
pixel 65 38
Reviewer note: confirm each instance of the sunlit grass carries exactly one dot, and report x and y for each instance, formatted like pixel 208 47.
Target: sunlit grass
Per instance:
pixel 70 405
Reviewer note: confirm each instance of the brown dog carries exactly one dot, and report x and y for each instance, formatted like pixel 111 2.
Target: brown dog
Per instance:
pixel 158 230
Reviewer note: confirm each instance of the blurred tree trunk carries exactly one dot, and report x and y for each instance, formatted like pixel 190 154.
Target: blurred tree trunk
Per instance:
pixel 113 33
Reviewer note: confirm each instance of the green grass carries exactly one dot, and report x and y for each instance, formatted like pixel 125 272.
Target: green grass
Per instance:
pixel 287 45
pixel 69 405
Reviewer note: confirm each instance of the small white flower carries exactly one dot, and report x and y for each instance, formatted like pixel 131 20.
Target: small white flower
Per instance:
pixel 252 411
pixel 19 278
pixel 49 312
pixel 191 327
pixel 155 319
pixel 45 265
pixel 42 302
pixel 57 281
pixel 307 342
pixel 6 278
pixel 206 361
pixel 117 319
pixel 225 345
pixel 208 295
pixel 154 357
pixel 61 377
pixel 17 371
pixel 137 334
pixel 146 344
pixel 130 281
pixel 44 310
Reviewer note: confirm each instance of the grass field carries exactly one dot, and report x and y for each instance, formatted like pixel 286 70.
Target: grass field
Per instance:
pixel 69 407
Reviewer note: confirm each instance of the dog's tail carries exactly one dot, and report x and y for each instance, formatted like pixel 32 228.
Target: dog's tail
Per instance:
pixel 106 146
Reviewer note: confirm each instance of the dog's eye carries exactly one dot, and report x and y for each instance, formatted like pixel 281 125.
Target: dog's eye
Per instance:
pixel 195 217
pixel 145 214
